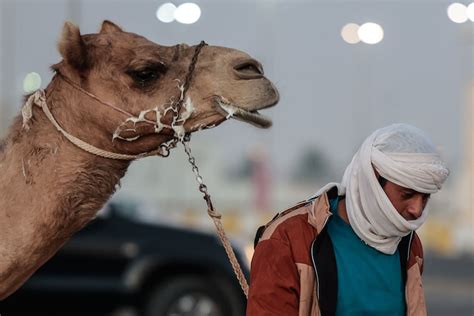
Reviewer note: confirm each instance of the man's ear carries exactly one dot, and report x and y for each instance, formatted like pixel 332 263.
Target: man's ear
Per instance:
pixel 72 47
pixel 109 27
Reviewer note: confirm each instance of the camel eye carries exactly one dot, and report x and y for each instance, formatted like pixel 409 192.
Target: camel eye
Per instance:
pixel 144 76
pixel 147 75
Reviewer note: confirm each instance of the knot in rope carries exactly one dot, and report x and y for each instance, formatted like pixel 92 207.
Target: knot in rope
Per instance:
pixel 39 98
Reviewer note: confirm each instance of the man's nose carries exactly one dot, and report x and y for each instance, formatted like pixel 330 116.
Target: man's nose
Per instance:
pixel 415 208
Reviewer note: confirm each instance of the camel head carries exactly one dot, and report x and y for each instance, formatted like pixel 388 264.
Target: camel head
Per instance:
pixel 144 79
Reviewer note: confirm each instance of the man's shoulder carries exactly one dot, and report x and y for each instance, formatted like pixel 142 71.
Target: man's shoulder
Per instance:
pixel 290 233
pixel 298 208
pixel 287 223
pixel 301 221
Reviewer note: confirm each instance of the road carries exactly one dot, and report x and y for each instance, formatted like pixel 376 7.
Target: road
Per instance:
pixel 449 285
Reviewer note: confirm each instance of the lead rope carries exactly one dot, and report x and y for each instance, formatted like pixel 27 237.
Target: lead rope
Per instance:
pixel 215 216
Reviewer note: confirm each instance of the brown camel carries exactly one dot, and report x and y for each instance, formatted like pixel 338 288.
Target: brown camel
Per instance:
pixel 50 188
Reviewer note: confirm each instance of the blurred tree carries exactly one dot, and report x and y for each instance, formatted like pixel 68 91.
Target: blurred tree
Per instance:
pixel 241 171
pixel 255 168
pixel 312 166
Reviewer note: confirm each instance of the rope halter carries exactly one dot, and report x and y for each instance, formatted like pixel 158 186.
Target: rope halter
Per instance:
pixel 39 99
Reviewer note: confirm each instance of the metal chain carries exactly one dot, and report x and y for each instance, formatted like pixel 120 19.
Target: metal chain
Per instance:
pixel 165 148
pixel 187 82
pixel 216 217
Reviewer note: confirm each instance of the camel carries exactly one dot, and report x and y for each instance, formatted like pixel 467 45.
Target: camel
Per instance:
pixel 50 188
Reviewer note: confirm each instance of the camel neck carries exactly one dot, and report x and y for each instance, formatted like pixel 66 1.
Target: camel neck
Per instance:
pixel 49 189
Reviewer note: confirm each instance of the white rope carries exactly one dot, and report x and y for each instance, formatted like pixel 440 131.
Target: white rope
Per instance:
pixel 39 99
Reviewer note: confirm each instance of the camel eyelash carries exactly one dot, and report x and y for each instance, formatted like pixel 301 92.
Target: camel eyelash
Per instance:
pixel 158 67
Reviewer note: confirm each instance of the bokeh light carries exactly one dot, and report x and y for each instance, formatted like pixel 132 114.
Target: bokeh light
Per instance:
pixel 165 12
pixel 370 33
pixel 32 82
pixel 349 33
pixel 470 12
pixel 187 13
pixel 457 13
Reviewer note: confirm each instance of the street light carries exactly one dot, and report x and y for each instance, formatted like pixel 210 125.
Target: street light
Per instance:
pixel 457 12
pixel 369 33
pixel 186 13
pixel 470 12
pixel 349 33
pixel 32 82
pixel 165 12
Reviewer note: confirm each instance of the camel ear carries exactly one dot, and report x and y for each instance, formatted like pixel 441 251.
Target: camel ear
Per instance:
pixel 109 27
pixel 72 46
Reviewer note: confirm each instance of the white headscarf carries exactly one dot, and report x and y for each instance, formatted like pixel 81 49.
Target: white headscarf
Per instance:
pixel 402 154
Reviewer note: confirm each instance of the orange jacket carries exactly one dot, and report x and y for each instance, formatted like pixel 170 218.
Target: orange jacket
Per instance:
pixel 283 280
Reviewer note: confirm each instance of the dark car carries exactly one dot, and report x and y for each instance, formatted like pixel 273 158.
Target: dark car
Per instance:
pixel 116 266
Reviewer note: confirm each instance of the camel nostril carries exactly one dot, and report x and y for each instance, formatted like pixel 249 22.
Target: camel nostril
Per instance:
pixel 250 69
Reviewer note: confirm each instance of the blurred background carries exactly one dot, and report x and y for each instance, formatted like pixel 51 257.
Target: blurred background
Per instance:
pixel 343 69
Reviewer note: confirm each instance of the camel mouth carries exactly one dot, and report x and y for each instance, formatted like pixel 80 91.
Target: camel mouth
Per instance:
pixel 252 117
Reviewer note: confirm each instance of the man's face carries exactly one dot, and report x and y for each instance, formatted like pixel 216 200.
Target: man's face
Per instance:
pixel 409 203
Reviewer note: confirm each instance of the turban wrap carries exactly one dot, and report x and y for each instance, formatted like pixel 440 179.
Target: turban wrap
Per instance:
pixel 402 154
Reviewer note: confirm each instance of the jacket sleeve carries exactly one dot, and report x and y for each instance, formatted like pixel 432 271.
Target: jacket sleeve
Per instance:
pixel 274 280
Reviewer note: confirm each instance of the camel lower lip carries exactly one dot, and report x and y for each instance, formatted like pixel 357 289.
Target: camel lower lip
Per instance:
pixel 251 117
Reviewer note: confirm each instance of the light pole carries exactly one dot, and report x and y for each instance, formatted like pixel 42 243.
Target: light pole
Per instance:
pixel 366 34
pixel 464 239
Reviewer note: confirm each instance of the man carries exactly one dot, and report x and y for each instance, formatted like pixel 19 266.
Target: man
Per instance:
pixel 352 249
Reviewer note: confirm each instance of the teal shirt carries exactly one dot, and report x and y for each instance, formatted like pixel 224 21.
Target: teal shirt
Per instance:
pixel 369 282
